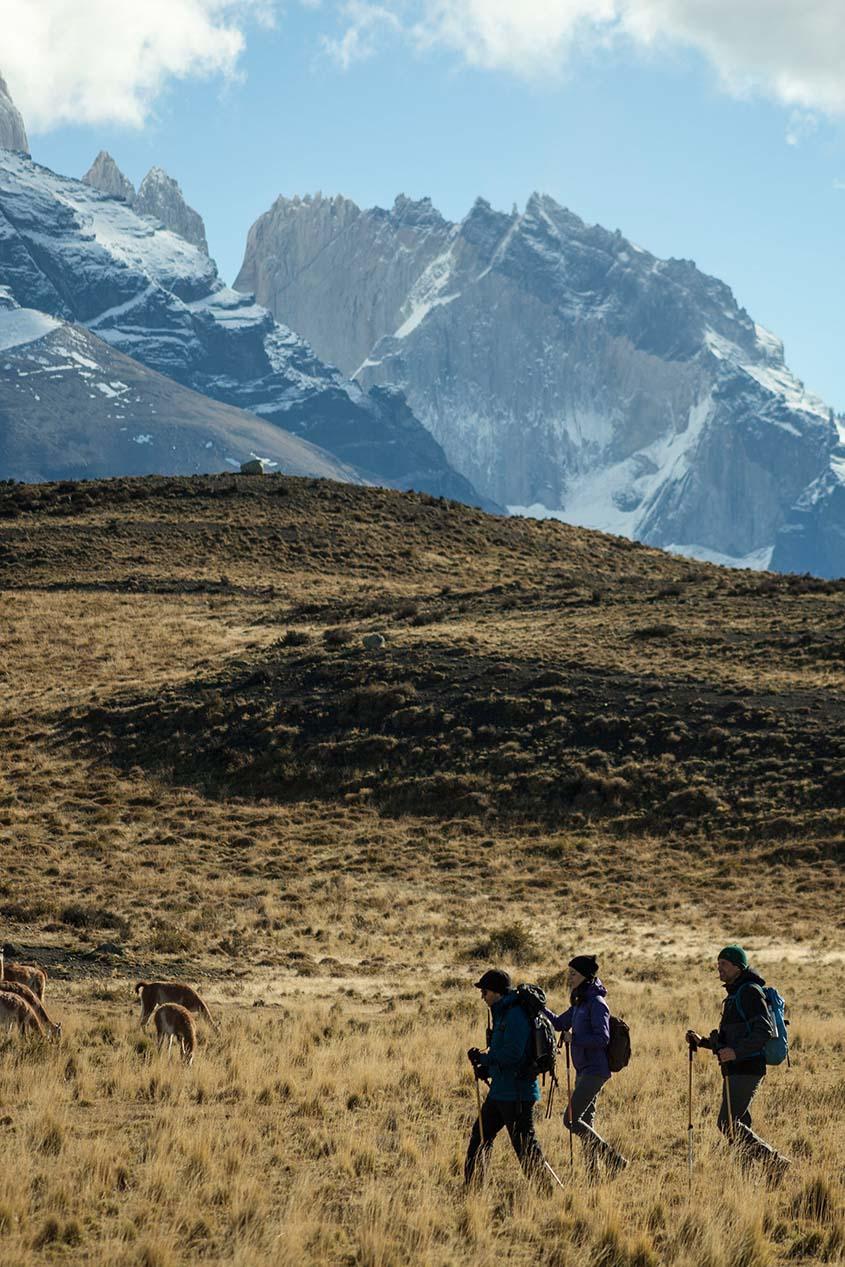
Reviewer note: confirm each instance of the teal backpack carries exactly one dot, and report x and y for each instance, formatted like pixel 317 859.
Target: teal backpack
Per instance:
pixel 776 1050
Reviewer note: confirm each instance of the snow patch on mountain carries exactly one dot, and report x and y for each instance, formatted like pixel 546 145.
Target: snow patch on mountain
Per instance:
pixel 756 561
pixel 427 293
pixel 19 326
pixel 616 498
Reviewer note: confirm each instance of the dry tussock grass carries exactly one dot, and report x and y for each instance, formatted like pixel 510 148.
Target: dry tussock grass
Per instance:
pixel 333 1131
pixel 328 1125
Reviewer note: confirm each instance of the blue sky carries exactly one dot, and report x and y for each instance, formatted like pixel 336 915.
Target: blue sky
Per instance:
pixel 647 140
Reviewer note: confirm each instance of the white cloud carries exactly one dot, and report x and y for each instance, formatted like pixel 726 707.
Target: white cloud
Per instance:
pixel 800 125
pixel 789 50
pixel 105 61
pixel 365 25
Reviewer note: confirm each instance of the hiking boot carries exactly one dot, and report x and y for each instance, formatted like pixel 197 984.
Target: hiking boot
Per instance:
pixel 616 1163
pixel 776 1168
pixel 591 1162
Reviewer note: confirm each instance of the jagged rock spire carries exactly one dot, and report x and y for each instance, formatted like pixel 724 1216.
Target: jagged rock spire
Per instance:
pixel 12 130
pixel 105 175
pixel 160 196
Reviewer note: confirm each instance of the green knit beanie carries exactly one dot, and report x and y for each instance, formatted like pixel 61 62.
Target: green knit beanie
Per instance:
pixel 735 955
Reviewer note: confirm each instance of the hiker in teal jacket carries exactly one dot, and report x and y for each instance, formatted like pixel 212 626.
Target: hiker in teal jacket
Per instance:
pixel 512 1096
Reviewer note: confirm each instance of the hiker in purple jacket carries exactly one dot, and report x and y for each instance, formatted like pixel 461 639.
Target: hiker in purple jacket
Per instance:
pixel 586 1029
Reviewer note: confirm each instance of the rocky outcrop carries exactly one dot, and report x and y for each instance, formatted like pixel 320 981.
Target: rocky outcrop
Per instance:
pixel 564 370
pixel 159 195
pixel 105 175
pixel 12 130
pixel 76 255
pixel 307 249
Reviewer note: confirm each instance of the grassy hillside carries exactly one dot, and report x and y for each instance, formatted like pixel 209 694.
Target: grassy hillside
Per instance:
pixel 567 742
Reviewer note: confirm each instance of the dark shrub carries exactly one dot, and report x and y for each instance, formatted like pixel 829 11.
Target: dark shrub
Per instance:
pixel 337 637
pixel 514 942
pixel 654 631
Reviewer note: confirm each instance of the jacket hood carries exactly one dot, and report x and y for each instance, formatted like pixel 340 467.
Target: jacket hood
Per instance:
pixel 594 990
pixel 504 1002
pixel 748 977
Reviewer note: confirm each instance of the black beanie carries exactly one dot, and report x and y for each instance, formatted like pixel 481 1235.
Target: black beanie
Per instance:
pixel 587 965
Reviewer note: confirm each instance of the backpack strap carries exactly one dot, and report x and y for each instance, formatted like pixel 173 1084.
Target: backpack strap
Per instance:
pixel 739 1006
pixel 741 1009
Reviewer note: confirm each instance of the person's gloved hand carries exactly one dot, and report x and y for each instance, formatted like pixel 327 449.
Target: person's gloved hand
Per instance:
pixel 475 1057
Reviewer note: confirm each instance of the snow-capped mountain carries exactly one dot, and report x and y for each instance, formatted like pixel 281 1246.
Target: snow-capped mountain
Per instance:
pixel 567 371
pixel 72 407
pixel 159 196
pixel 77 255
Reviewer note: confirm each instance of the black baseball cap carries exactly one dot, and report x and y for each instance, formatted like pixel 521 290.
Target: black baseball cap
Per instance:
pixel 494 979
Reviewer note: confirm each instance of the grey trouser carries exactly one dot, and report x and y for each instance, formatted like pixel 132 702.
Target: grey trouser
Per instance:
pixel 584 1094
pixel 743 1088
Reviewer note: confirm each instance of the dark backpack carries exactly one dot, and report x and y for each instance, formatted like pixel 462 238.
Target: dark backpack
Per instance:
pixel 619 1047
pixel 541 1048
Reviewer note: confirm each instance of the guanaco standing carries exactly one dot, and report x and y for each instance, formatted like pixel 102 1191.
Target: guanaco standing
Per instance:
pixel 174 1021
pixel 29 996
pixel 25 973
pixel 16 1011
pixel 154 993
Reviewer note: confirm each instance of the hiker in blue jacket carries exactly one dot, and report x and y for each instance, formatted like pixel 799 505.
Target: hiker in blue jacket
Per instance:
pixel 586 1029
pixel 745 1027
pixel 513 1093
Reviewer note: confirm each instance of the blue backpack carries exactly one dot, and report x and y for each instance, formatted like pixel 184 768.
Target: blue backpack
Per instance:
pixel 776 1050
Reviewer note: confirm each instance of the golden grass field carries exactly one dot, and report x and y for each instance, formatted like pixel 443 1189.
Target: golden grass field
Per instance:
pixel 568 743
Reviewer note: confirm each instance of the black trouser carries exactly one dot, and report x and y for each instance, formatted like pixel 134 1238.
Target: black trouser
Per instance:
pixel 517 1116
pixel 742 1088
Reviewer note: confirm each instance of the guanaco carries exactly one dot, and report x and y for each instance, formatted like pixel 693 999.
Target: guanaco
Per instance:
pixel 25 973
pixel 173 1021
pixel 154 993
pixel 29 996
pixel 16 1011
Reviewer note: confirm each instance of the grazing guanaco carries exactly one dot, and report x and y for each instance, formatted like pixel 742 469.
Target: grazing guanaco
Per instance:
pixel 173 1021
pixel 155 993
pixel 29 996
pixel 16 1011
pixel 25 973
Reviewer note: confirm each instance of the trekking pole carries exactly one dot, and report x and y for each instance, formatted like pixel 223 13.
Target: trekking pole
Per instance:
pixel 478 1103
pixel 553 1175
pixel 729 1108
pixel 689 1119
pixel 569 1110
